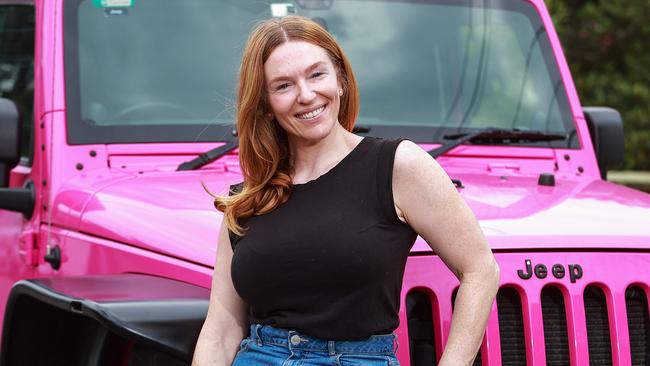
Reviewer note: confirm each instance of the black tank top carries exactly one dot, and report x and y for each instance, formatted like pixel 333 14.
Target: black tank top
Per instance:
pixel 329 262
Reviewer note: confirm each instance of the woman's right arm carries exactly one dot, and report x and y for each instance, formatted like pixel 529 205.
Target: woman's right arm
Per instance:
pixel 226 323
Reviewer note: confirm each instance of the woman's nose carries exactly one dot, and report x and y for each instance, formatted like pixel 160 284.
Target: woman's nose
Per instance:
pixel 305 93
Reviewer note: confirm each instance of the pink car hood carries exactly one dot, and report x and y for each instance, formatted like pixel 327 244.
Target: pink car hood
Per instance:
pixel 516 212
pixel 170 213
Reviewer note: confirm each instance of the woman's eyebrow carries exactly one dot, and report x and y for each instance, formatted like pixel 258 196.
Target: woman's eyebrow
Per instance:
pixel 313 66
pixel 306 71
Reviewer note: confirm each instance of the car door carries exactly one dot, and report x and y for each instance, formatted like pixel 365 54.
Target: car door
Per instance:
pixel 18 231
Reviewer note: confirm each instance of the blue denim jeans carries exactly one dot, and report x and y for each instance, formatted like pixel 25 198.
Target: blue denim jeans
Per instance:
pixel 279 347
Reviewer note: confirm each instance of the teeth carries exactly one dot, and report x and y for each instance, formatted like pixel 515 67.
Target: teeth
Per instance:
pixel 311 114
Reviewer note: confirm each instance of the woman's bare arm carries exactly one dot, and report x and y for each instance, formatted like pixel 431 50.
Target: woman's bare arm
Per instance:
pixel 427 200
pixel 225 324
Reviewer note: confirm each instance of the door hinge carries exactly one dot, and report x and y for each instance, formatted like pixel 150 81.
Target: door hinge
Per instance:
pixel 28 248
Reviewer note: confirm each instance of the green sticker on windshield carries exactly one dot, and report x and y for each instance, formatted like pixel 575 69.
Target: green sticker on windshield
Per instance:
pixel 113 3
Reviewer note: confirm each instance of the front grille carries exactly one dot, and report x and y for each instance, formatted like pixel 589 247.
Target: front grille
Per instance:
pixel 638 325
pixel 535 310
pixel 555 330
pixel 600 351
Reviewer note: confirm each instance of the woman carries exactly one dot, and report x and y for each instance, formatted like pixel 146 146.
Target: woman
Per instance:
pixel 324 223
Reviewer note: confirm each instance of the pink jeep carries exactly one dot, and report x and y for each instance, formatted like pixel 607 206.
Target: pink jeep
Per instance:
pixel 114 111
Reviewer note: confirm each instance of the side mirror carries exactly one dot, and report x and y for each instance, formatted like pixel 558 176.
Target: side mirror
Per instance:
pixel 606 131
pixel 9 139
pixel 13 199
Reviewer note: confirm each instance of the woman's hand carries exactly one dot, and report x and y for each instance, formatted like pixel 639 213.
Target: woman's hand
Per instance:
pixel 427 200
pixel 225 325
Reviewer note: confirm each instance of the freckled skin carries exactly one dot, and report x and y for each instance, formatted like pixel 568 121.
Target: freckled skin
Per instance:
pixel 300 78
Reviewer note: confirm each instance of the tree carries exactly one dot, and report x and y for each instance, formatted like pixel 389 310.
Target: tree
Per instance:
pixel 606 45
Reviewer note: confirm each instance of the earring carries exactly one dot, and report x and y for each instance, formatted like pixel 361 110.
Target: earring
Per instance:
pixel 340 92
pixel 270 115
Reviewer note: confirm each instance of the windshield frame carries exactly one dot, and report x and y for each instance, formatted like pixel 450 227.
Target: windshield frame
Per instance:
pixel 84 132
pixel 80 132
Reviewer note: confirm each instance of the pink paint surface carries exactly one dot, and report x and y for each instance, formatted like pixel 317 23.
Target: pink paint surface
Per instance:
pixel 169 212
pixel 128 211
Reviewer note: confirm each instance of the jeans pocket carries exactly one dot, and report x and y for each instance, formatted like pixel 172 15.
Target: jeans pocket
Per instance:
pixel 393 361
pixel 357 359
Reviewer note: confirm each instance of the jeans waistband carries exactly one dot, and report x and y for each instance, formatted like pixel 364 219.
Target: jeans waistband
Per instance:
pixel 266 334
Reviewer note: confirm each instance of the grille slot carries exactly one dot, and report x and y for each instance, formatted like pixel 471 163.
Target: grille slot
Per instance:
pixel 638 325
pixel 555 327
pixel 600 350
pixel 419 312
pixel 511 327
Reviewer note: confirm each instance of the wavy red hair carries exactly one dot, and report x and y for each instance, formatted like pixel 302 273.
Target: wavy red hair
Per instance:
pixel 264 153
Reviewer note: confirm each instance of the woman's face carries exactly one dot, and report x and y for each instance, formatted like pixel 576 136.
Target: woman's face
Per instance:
pixel 303 91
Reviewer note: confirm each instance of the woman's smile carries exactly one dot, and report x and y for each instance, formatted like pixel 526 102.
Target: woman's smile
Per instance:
pixel 312 114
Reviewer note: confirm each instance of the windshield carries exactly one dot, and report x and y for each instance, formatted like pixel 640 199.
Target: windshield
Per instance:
pixel 166 70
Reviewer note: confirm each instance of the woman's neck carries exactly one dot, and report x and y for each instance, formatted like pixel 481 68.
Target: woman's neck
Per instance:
pixel 310 160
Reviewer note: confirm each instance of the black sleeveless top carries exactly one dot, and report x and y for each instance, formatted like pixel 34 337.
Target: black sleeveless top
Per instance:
pixel 329 262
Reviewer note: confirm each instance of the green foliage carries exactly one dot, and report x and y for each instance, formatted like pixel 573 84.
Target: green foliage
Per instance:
pixel 607 45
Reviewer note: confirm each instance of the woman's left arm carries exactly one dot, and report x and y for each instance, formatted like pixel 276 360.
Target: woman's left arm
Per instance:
pixel 427 200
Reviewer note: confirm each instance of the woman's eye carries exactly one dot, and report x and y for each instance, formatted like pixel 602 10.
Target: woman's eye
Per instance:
pixel 282 87
pixel 317 74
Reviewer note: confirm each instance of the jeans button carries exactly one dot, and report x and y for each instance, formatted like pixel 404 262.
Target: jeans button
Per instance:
pixel 295 339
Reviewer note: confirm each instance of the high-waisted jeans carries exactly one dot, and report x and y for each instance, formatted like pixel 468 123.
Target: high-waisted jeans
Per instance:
pixel 279 347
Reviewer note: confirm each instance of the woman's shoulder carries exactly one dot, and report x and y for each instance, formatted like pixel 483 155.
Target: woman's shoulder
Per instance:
pixel 414 165
pixel 408 155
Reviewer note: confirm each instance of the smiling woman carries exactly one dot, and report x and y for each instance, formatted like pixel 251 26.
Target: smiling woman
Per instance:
pixel 328 219
pixel 290 69
pixel 303 91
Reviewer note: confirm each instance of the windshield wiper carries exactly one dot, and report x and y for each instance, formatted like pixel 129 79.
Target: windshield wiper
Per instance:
pixel 214 154
pixel 494 135
pixel 209 156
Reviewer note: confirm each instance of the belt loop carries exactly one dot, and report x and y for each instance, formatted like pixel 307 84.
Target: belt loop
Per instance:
pixel 395 343
pixel 293 339
pixel 258 338
pixel 331 347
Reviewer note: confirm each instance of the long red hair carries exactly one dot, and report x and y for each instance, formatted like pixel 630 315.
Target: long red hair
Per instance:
pixel 264 154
